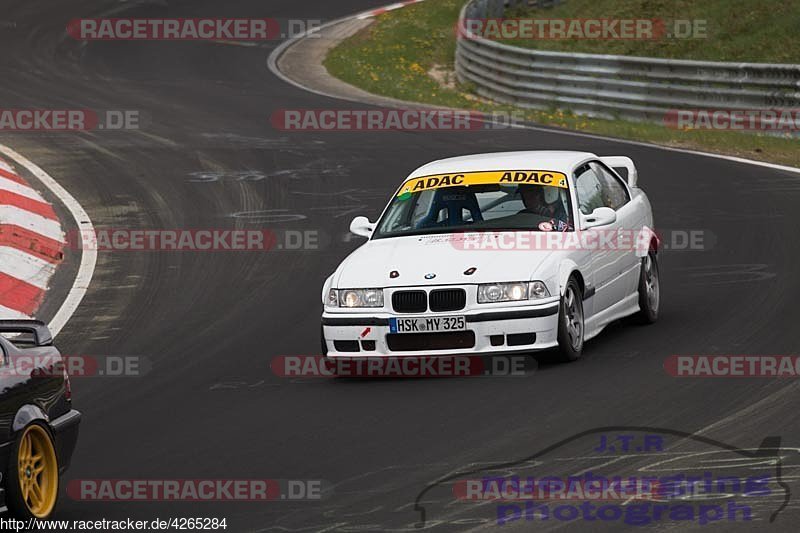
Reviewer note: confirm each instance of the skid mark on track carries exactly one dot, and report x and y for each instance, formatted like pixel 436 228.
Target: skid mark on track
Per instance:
pixel 731 274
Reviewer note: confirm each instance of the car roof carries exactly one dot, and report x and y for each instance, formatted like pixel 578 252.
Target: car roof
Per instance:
pixel 557 160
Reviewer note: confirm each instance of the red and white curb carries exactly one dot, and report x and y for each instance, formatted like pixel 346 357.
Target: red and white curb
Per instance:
pixel 382 10
pixel 31 245
pixel 32 242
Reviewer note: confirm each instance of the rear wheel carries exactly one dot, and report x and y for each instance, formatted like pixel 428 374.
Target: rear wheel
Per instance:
pixel 32 488
pixel 571 322
pixel 649 289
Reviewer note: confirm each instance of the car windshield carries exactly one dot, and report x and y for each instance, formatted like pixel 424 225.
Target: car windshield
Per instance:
pixel 482 207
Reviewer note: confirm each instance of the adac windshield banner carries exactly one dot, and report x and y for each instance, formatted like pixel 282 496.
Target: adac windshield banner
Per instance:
pixel 499 177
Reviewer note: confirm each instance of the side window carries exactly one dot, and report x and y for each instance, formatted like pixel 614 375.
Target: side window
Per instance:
pixel 588 189
pixel 615 195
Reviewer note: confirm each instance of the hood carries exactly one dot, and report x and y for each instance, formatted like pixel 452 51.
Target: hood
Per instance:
pixel 446 256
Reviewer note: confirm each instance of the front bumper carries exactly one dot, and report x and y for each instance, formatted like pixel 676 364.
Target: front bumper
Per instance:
pixel 499 330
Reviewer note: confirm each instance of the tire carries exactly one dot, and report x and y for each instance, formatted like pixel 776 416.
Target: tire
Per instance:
pixel 571 322
pixel 649 289
pixel 28 477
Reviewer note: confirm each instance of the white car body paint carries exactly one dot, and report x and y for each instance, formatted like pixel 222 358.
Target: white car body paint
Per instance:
pixel 610 277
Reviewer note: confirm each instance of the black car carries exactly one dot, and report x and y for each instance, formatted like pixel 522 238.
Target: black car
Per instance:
pixel 38 427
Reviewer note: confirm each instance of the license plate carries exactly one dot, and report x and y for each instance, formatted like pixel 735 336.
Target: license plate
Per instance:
pixel 427 324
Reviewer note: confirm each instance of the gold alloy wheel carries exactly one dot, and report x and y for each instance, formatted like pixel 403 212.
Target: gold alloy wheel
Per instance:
pixel 38 471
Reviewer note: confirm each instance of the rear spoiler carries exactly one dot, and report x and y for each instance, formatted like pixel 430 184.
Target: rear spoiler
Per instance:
pixel 37 328
pixel 620 161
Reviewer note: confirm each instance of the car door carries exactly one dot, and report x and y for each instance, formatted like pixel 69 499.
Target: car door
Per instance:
pixel 617 196
pixel 590 196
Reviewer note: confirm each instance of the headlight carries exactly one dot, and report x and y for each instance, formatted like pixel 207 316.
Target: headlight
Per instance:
pixel 355 298
pixel 333 298
pixel 537 290
pixel 511 292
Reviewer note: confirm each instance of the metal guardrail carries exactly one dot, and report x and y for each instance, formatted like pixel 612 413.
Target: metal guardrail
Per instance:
pixel 611 86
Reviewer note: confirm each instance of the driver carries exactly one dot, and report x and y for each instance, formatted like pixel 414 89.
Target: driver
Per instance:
pixel 543 201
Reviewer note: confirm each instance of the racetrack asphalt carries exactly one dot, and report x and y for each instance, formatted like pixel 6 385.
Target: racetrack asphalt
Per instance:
pixel 209 324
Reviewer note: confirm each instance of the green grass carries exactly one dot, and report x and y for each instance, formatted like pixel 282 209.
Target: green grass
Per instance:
pixel 394 56
pixel 736 30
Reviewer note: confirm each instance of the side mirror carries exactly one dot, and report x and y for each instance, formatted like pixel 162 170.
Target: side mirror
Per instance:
pixel 362 227
pixel 602 216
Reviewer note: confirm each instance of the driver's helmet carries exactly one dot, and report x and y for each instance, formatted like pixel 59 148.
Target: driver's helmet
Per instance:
pixel 551 195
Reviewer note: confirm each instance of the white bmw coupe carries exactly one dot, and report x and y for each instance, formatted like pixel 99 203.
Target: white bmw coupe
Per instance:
pixel 497 253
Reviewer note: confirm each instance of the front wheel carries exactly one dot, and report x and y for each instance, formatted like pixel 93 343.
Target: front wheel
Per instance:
pixel 571 322
pixel 649 289
pixel 32 487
